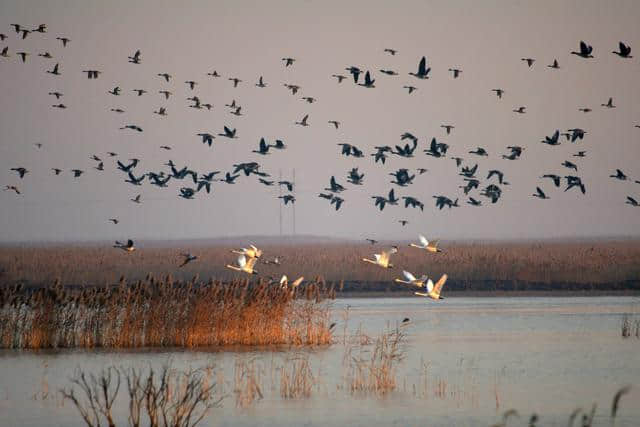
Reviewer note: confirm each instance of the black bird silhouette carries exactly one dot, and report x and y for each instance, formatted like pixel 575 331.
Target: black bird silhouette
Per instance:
pixel 261 83
pixel 266 182
pixel 207 138
pixel 21 171
pixel 624 51
pixel 474 202
pixel 574 181
pixel 293 88
pixel 372 241
pixel 423 71
pixel 77 172
pixel 540 194
pixel 64 41
pixel 391 51
pixel 58 95
pixel 263 147
pixel 499 92
pixel 92 74
pixel 354 177
pixel 584 110
pixel 410 88
pixel 585 50
pixel 165 76
pixel 555 178
pixel 127 168
pixel 114 220
pixel 187 192
pixel 340 77
pixel 380 154
pixel 61 106
pixel 166 93
pixel 55 70
pixel 436 149
pixel 479 152
pixel 414 203
pixel 609 104
pixel 56 171
pixel 117 110
pixel 368 81
pixel 402 177
pixel 279 145
pixel 191 84
pixel 228 133
pixel 469 172
pixel 287 198
pixel 355 72
pixel 5 52
pixel 288 61
pixel 140 92
pixel 569 165
pixel 520 110
pixel 580 154
pixel 335 123
pixel 403 222
pixel 493 192
pixel 42 28
pixel 407 150
pixel 529 61
pixel 136 199
pixel 23 55
pixel 162 111
pixel 235 81
pixel 214 74
pixel 630 201
pixel 287 184
pixel 303 122
pixel 389 72
pixel 115 91
pixel 134 127
pixel 553 139
pixel 447 128
pixel 132 179
pixel 135 58
pixel 619 175
pixel 456 72
pixel 334 187
pixel 516 152
pixel 45 55
pixel 554 65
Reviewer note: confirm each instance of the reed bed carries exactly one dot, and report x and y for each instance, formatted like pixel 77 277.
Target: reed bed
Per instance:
pixel 474 266
pixel 165 313
pixel 296 378
pixel 165 399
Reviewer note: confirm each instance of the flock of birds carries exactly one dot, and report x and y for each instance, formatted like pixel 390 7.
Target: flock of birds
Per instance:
pixel 194 182
pixel 249 257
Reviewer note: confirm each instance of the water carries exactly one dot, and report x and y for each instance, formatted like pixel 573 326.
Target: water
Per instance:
pixel 467 361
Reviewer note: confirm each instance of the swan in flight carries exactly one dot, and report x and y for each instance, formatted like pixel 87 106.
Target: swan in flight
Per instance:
pixel 433 291
pixel 411 279
pixel 383 259
pixel 284 281
pixel 426 245
pixel 251 252
pixel 245 265
pixel 129 247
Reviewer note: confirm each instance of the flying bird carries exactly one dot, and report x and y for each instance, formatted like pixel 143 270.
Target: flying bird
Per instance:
pixel 433 291
pixel 585 50
pixel 383 259
pixel 624 52
pixel 426 244
pixel 187 258
pixel 423 71
pixel 135 58
pixel 128 247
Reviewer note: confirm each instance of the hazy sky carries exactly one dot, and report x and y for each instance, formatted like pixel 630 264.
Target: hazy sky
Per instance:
pixel 243 39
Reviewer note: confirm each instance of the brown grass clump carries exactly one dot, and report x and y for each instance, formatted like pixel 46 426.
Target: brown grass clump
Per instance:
pixel 164 313
pixel 297 379
pixel 374 368
pixel 168 399
pixel 248 382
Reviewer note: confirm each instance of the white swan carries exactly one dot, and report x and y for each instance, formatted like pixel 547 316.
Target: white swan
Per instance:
pixel 426 245
pixel 433 291
pixel 251 252
pixel 411 279
pixel 244 265
pixel 383 259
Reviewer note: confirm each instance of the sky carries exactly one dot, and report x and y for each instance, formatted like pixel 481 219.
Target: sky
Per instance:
pixel 248 39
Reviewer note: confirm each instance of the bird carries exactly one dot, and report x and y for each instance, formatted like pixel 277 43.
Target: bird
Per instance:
pixel 251 252
pixel 263 147
pixel 136 199
pixel 355 72
pixel 92 74
pixel 61 106
pixel 303 122
pixel 335 123
pixel 569 165
pixel 12 188
pixel 630 201
pixel 140 92
pixel 5 52
pixel 58 95
pixel 584 110
pixel 553 139
pixel 372 241
pixel 207 138
pixel 56 171
pixel 23 55
pixel 237 111
pixel 191 84
pixel 128 247
pixel 575 134
pixel 287 198
pixel 135 58
pixel 456 72
pixel 134 127
pixel 474 202
pixel 433 290
pixel 575 181
pixel 540 194
pixel 624 51
pixel 114 220
pixel 392 52
pixel 45 55
pixel 309 99
pixel 293 88
pixel 516 152
pixel 213 74
pixel 554 178
pixel 410 88
pixel 340 77
pixel 266 182
pixel 499 92
pixel 609 104
pixel 447 128
pixel 414 203
pixel 619 175
pixel 423 71
pixel 187 193
pixel 334 187
pixel 77 172
pixel 287 184
pixel 354 177
pixel 229 178
pixel 389 72
pixel 187 258
pixel 166 93
pixel 554 65
pixel 411 280
pixel 585 50
pixel 21 171
pixel 244 265
pixel 55 70
pixel 426 245
pixel 64 41
pixel 261 83
pixel 228 133
pixel 383 259
pixel 115 91
pixel 468 172
pixel 162 111
pixel 520 110
pixel 368 81
pixel 165 76
pixel 479 152
pixel 235 81
pixel 580 154
pixel 288 61
pixel 132 179
pixel 42 28
pixel 529 61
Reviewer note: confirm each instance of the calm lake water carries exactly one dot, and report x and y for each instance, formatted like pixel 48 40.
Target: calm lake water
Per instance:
pixel 467 361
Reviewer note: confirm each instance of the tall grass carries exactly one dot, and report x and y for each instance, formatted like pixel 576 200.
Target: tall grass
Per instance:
pixel 164 399
pixel 486 264
pixel 164 313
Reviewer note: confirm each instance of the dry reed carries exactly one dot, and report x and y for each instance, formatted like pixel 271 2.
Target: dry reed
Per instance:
pixel 248 382
pixel 162 313
pixel 169 399
pixel 297 379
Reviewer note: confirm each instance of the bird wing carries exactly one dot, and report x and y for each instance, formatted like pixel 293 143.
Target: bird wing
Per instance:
pixel 242 260
pixel 251 262
pixel 429 286
pixel 437 288
pixel 423 66
pixel 423 240
pixel 410 277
